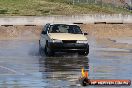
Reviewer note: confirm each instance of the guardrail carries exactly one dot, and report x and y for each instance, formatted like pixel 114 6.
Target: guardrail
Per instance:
pixel 41 20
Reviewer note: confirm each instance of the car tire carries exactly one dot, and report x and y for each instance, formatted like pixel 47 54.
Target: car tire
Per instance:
pixel 41 50
pixel 48 52
pixel 84 53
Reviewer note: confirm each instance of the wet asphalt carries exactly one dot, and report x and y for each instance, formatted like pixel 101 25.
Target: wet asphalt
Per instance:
pixel 21 65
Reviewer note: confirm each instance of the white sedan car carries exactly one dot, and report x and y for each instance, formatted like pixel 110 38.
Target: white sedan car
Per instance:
pixel 63 38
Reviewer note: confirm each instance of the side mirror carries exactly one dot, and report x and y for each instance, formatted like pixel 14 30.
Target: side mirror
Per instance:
pixel 44 32
pixel 85 33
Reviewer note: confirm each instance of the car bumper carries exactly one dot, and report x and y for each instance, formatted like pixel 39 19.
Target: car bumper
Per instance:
pixel 66 47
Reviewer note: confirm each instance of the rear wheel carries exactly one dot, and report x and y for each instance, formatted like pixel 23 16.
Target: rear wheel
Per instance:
pixel 48 52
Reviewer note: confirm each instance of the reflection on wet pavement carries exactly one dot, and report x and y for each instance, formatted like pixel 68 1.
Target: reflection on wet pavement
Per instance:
pixel 62 71
pixel 21 66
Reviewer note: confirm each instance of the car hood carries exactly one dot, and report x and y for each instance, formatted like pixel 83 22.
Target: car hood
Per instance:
pixel 67 36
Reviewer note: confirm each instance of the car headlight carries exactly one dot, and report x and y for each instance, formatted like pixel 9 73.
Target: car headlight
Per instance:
pixel 82 41
pixel 56 41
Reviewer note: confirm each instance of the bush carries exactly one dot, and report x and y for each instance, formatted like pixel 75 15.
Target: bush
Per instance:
pixel 3 11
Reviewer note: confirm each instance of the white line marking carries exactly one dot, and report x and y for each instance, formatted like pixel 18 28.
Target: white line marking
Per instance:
pixel 9 69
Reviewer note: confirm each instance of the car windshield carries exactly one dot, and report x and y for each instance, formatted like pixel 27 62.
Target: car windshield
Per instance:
pixel 61 28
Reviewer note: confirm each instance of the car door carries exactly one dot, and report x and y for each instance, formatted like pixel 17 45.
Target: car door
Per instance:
pixel 44 36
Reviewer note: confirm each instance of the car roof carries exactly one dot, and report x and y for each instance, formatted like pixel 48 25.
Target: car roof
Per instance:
pixel 61 24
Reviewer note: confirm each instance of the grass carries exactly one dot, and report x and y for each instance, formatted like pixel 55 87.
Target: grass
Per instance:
pixel 52 7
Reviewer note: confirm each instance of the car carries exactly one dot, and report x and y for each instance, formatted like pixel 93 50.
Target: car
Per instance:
pixel 63 38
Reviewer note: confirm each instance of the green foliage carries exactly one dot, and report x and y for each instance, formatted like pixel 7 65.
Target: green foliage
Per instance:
pixel 3 11
pixel 61 1
pixel 54 7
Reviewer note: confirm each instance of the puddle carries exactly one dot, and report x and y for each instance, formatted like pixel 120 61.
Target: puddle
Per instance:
pixel 124 40
pixel 113 49
pixel 25 68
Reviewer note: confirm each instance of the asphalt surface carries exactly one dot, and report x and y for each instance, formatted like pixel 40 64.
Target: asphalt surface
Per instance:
pixel 21 66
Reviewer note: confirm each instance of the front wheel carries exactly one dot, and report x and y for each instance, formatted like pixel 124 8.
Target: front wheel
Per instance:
pixel 84 53
pixel 41 50
pixel 48 52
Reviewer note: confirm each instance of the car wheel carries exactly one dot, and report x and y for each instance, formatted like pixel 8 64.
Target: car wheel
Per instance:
pixel 84 53
pixel 41 50
pixel 48 52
